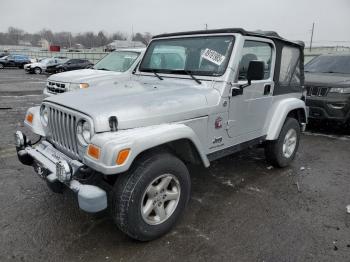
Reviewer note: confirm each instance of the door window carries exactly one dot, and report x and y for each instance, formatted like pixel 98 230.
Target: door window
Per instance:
pixel 255 50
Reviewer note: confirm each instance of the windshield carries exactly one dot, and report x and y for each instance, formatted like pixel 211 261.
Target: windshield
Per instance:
pixel 329 64
pixel 118 61
pixel 204 55
pixel 46 60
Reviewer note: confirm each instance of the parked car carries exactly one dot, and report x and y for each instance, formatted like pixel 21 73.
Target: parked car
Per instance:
pixel 117 65
pixel 39 67
pixel 127 146
pixel 4 54
pixel 14 61
pixel 69 65
pixel 327 81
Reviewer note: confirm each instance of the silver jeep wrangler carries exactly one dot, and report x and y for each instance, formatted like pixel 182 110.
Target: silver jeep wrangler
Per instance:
pixel 195 97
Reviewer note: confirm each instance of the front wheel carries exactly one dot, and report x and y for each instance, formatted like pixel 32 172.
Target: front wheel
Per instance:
pixel 281 152
pixel 1 66
pixel 148 200
pixel 37 70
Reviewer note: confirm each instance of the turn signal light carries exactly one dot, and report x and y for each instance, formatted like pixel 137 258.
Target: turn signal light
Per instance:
pixel 94 151
pixel 30 118
pixel 84 85
pixel 122 156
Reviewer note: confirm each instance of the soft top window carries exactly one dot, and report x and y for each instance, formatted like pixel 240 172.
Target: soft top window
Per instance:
pixel 290 69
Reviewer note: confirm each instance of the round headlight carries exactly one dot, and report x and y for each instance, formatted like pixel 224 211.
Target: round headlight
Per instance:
pixel 44 115
pixel 84 132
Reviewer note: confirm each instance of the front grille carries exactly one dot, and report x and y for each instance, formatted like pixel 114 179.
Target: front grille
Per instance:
pixel 316 91
pixel 56 88
pixel 63 134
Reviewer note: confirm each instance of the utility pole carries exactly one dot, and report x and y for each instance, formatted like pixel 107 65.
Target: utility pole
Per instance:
pixel 132 32
pixel 312 34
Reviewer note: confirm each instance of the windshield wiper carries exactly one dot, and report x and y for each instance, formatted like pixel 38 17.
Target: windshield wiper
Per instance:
pixel 193 77
pixel 156 74
pixel 105 69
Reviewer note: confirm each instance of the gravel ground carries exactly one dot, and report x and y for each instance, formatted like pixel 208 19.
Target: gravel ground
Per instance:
pixel 241 209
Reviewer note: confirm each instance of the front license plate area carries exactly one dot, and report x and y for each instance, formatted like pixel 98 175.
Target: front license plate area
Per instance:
pixel 40 170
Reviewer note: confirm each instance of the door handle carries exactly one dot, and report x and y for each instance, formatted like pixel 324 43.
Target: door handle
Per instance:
pixel 267 89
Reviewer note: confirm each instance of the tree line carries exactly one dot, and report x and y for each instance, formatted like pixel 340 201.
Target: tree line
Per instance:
pixel 16 36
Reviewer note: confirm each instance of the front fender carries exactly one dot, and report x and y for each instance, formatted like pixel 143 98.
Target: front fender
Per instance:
pixel 138 140
pixel 36 126
pixel 280 113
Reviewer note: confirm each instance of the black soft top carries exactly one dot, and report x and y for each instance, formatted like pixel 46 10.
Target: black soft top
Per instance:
pixel 266 34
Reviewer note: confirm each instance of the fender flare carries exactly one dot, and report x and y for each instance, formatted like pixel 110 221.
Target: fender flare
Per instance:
pixel 280 113
pixel 138 140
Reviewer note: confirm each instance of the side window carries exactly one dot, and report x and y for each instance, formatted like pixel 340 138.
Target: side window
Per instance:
pixel 290 67
pixel 255 50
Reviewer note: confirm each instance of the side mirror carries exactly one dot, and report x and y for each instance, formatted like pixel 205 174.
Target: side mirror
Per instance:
pixel 256 71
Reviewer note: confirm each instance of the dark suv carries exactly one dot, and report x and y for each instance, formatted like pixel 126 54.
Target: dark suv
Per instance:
pixel 14 61
pixel 71 64
pixel 328 87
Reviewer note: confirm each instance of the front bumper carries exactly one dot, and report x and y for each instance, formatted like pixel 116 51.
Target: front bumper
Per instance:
pixel 47 162
pixel 328 109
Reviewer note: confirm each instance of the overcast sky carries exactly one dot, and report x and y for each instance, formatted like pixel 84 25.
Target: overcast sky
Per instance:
pixel 290 18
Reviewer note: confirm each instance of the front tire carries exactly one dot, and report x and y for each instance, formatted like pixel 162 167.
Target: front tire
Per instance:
pixel 281 152
pixel 37 70
pixel 148 200
pixel 1 66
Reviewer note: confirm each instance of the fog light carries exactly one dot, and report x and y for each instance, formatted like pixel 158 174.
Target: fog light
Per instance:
pixel 63 171
pixel 19 139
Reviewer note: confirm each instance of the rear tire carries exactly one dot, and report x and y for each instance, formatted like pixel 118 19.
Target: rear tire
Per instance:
pixel 281 152
pixel 147 201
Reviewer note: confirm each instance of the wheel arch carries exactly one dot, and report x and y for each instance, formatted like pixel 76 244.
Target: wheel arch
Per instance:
pixel 183 148
pixel 291 107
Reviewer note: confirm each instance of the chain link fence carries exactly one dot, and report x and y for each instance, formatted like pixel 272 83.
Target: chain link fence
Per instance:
pixel 91 56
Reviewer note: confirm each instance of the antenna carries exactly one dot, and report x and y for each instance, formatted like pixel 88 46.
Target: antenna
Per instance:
pixel 312 34
pixel 206 26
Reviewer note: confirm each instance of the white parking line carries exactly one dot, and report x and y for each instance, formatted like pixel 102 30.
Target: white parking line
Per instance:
pixel 8 152
pixel 19 96
pixel 343 138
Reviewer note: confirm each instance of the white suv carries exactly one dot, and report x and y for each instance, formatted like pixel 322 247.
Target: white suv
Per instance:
pixel 117 65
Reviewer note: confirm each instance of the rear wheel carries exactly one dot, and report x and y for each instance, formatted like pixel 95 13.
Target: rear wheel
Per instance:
pixel 147 202
pixel 281 152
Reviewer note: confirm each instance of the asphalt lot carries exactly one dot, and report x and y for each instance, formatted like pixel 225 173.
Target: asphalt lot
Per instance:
pixel 240 210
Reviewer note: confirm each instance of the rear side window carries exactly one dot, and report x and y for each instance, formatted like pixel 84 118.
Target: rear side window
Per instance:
pixel 290 67
pixel 255 50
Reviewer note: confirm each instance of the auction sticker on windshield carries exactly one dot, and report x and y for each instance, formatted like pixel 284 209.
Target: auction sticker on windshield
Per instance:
pixel 213 56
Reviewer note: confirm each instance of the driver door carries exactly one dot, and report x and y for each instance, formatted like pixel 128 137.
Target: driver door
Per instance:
pixel 248 111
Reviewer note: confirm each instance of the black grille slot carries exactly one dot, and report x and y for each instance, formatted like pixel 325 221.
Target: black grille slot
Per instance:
pixel 56 88
pixel 62 127
pixel 316 91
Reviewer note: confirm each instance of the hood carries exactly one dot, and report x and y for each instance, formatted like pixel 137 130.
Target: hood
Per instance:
pixel 138 104
pixel 83 75
pixel 326 79
pixel 36 64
